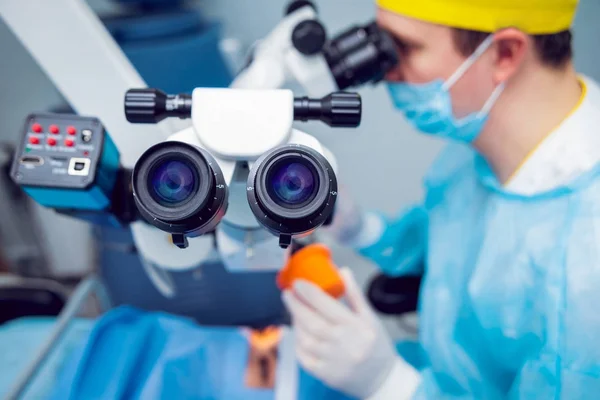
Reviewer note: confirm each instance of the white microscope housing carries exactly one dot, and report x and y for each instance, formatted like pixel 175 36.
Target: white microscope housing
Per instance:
pixel 240 170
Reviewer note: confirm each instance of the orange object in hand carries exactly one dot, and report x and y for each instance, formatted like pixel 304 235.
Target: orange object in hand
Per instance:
pixel 313 263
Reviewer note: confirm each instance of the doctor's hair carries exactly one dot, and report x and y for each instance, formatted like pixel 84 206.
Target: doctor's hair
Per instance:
pixel 554 50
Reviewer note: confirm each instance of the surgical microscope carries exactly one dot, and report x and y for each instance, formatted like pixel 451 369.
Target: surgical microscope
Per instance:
pixel 183 185
pixel 239 137
pixel 82 175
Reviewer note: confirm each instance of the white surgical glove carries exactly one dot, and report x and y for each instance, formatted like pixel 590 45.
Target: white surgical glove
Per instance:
pixel 347 348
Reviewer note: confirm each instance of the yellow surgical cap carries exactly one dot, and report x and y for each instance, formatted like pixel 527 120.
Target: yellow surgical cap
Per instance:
pixel 531 16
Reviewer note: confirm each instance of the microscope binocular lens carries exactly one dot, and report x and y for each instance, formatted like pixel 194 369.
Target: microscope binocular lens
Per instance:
pixel 292 191
pixel 180 189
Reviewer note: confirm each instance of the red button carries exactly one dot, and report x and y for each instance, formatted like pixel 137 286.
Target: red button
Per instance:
pixel 37 128
pixel 54 129
pixel 69 143
pixel 51 141
pixel 71 130
pixel 34 140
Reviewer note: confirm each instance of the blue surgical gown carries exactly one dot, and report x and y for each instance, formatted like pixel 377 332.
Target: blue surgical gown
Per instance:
pixel 508 301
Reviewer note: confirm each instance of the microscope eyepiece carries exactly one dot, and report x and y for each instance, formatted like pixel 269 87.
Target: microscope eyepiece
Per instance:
pixel 292 191
pixel 150 106
pixel 336 109
pixel 362 54
pixel 180 189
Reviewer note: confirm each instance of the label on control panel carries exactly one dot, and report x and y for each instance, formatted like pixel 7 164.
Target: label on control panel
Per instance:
pixel 64 149
pixel 59 171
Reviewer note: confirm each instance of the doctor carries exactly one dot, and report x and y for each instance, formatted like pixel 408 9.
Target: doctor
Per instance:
pixel 510 224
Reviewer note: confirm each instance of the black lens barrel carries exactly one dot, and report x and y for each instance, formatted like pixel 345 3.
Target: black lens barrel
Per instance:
pixel 291 220
pixel 339 109
pixel 206 205
pixel 150 106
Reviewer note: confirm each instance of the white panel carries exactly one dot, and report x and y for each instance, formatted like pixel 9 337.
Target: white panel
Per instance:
pixel 242 124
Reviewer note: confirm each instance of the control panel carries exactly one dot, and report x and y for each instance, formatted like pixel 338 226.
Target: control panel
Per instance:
pixel 66 162
pixel 59 150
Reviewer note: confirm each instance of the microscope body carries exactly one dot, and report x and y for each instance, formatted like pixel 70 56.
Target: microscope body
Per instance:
pixel 69 163
pixel 269 182
pixel 236 128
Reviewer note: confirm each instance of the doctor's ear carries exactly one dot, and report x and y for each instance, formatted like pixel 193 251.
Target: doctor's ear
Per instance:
pixel 511 48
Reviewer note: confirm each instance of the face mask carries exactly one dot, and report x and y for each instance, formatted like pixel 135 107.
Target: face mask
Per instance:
pixel 428 107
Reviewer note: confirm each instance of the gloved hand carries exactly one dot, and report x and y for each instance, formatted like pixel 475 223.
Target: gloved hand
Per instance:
pixel 347 347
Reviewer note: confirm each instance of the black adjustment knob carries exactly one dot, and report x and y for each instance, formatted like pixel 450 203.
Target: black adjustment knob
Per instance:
pixel 144 106
pixel 309 37
pixel 298 4
pixel 394 296
pixel 338 109
pixel 344 109
pixel 149 106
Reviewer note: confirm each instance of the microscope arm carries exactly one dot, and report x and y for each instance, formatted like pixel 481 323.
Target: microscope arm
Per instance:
pixel 276 60
pixel 273 72
pixel 263 73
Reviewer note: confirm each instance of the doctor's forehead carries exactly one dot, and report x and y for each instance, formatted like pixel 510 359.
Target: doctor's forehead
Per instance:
pixel 410 30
